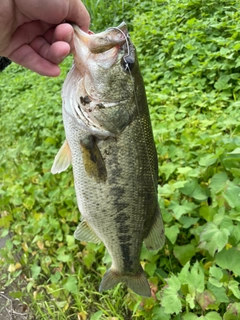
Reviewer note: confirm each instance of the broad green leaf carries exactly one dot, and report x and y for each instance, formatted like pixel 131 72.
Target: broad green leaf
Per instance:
pixel 166 190
pixel 71 285
pixel 5 220
pixel 29 202
pixel 158 313
pixel 216 275
pixel 235 172
pixel 35 271
pixel 97 315
pixel 167 169
pixel 188 221
pixel 172 233
pixel 174 283
pixel 184 170
pixel 70 240
pixel 222 83
pixel 184 273
pixel 64 257
pixel 190 316
pixel 229 259
pixel 205 299
pixel 220 293
pixel 236 152
pixel 207 212
pixel 233 312
pixel 190 299
pixel 213 239
pixel 150 268
pixel 218 182
pixel 231 160
pixel 4 233
pixel 170 297
pixel 211 316
pixel 55 277
pixel 233 285
pixel 193 189
pixel 145 255
pixel 208 160
pixel 216 272
pixel 232 195
pixel 196 278
pixel 184 253
pixel 179 184
pixel 180 209
pixel 88 258
pixel 235 234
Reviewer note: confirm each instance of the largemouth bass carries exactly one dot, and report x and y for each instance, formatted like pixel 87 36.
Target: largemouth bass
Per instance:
pixel 109 142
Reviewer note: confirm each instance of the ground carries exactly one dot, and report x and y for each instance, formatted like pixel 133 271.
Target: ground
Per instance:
pixel 11 309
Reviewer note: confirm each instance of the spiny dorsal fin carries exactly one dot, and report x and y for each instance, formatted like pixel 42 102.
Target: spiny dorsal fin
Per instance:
pixel 92 159
pixel 156 238
pixel 85 233
pixel 63 159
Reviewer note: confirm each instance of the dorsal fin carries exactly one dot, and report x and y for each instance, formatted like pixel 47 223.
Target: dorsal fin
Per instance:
pixel 156 238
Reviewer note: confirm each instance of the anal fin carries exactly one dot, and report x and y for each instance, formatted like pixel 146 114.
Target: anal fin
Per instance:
pixel 156 237
pixel 92 159
pixel 85 233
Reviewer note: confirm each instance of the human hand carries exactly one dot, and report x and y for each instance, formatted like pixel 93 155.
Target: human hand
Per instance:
pixel 31 33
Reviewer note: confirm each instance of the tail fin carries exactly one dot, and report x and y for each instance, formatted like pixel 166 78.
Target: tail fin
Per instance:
pixel 138 282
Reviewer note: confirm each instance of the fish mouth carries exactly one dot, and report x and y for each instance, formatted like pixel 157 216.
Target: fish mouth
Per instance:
pixel 108 43
pixel 104 41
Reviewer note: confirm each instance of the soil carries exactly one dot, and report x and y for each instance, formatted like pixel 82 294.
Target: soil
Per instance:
pixel 10 308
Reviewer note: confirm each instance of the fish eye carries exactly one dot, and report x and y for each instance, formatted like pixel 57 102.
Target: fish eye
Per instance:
pixel 127 63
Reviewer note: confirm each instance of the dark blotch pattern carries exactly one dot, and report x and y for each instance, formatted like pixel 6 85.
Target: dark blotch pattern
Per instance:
pixel 85 100
pixel 125 239
pixel 100 106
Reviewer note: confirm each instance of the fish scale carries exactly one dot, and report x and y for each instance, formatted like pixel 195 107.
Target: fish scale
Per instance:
pixel 109 142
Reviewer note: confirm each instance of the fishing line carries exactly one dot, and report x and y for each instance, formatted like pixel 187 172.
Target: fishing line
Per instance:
pixel 126 37
pixel 127 68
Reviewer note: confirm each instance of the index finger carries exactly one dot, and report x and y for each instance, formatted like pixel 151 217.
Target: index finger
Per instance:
pixel 78 14
pixel 56 11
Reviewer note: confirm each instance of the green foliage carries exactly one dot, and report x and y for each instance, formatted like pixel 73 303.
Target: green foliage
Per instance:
pixel 107 13
pixel 189 56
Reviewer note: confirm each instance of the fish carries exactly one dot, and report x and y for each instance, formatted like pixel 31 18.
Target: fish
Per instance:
pixel 110 144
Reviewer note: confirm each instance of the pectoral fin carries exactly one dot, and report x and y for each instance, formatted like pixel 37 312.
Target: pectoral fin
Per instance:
pixel 62 160
pixel 85 233
pixel 92 159
pixel 156 238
